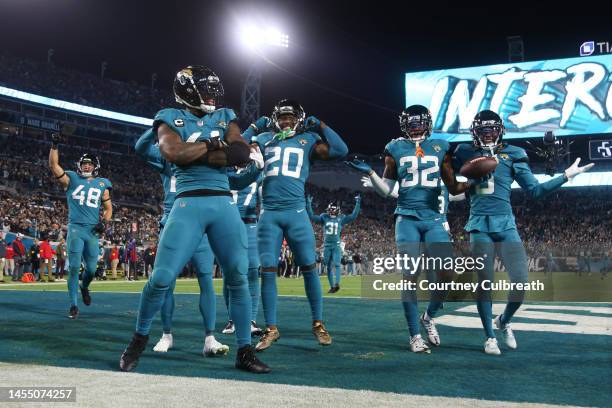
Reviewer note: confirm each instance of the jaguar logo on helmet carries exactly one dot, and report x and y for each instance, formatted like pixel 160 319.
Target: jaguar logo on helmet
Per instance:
pixel 198 87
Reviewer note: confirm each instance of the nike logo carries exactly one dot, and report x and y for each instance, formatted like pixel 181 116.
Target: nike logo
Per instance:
pixel 252 226
pixel 299 211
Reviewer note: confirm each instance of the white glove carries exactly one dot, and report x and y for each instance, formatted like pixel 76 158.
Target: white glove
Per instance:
pixel 366 182
pixel 257 157
pixel 573 170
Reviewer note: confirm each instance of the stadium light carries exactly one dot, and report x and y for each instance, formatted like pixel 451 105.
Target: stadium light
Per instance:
pixel 255 38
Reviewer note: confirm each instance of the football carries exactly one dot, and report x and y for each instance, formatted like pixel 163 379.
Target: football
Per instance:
pixel 478 167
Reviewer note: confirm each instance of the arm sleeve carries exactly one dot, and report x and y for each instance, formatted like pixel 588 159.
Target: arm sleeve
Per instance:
pixel 240 181
pixel 148 152
pixel 337 147
pixel 249 133
pixel 313 218
pixel 352 216
pixel 384 187
pixel 525 178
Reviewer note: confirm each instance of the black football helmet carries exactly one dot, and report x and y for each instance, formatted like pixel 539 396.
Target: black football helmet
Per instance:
pixel 195 86
pixel 487 129
pixel 292 107
pixel 88 158
pixel 415 122
pixel 333 209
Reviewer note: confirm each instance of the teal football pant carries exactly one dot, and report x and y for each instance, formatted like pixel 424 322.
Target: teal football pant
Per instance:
pixel 332 257
pixel 189 220
pixel 295 226
pixel 82 243
pixel 253 272
pixel 203 261
pixel 410 234
pixel 510 249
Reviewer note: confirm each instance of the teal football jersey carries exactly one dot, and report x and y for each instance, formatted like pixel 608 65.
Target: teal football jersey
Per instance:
pixel 193 129
pixel 332 229
pixel 84 198
pixel 418 176
pixel 492 197
pixel 247 198
pixel 287 165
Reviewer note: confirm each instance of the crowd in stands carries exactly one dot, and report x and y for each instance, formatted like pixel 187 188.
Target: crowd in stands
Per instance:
pixel 50 80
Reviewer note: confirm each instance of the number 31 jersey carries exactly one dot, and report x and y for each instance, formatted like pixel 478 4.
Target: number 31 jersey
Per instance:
pixel 287 165
pixel 84 198
pixel 418 175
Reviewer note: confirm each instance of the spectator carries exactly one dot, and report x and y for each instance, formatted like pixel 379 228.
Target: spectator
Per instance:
pixel 60 259
pixel 19 256
pixel 114 259
pixel 10 262
pixel 46 257
pixel 149 258
pixel 2 258
pixel 34 256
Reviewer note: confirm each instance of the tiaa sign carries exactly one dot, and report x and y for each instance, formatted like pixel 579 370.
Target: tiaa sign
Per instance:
pixel 571 96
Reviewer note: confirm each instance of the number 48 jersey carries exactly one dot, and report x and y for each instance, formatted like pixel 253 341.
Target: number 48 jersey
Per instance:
pixel 287 165
pixel 84 198
pixel 418 175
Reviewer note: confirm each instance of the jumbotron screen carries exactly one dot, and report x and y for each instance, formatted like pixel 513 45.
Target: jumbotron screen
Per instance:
pixel 571 96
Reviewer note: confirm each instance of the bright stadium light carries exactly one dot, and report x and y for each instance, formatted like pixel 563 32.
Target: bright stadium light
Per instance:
pixel 256 38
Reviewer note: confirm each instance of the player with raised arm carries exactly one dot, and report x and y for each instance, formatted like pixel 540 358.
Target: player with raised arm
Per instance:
pixel 200 141
pixel 85 193
pixel 333 220
pixel 288 152
pixel 491 222
pixel 419 164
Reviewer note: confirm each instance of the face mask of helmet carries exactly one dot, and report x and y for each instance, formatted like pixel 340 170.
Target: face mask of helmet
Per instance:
pixel 94 167
pixel 488 136
pixel 280 115
pixel 416 130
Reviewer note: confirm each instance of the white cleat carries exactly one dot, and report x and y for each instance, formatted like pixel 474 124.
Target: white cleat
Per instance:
pixel 164 344
pixel 491 347
pixel 213 348
pixel 255 330
pixel 507 333
pixel 418 345
pixel 229 328
pixel 432 333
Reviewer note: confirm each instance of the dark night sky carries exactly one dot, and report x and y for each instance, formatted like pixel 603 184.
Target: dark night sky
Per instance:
pixel 345 63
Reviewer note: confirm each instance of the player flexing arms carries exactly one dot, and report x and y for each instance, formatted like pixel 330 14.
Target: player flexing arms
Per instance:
pixel 200 141
pixel 85 192
pixel 288 154
pixel 332 222
pixel 491 220
pixel 203 258
pixel 418 163
pixel 247 199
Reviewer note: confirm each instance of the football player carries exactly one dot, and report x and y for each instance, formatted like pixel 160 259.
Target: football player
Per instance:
pixel 419 164
pixel 491 222
pixel 332 222
pixel 288 152
pixel 203 258
pixel 85 193
pixel 247 199
pixel 201 141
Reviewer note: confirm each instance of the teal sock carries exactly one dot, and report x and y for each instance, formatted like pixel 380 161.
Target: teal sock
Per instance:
pixel 254 291
pixel 268 296
pixel 312 285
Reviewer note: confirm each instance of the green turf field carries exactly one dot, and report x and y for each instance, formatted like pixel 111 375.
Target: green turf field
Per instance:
pixel 564 354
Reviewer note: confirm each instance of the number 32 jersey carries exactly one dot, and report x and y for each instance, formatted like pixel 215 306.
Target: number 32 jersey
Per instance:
pixel 418 175
pixel 84 198
pixel 287 165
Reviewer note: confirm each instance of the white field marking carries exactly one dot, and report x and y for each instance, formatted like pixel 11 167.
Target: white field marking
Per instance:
pixel 96 388
pixel 580 324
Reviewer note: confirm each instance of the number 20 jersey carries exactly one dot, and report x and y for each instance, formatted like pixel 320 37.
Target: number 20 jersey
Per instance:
pixel 418 175
pixel 287 165
pixel 84 198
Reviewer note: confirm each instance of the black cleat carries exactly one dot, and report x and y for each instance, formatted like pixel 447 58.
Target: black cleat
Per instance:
pixel 336 288
pixel 331 290
pixel 247 361
pixel 73 313
pixel 130 356
pixel 86 296
pixel 255 330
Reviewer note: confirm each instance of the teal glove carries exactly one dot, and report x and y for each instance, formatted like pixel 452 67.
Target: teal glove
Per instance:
pixel 359 166
pixel 312 123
